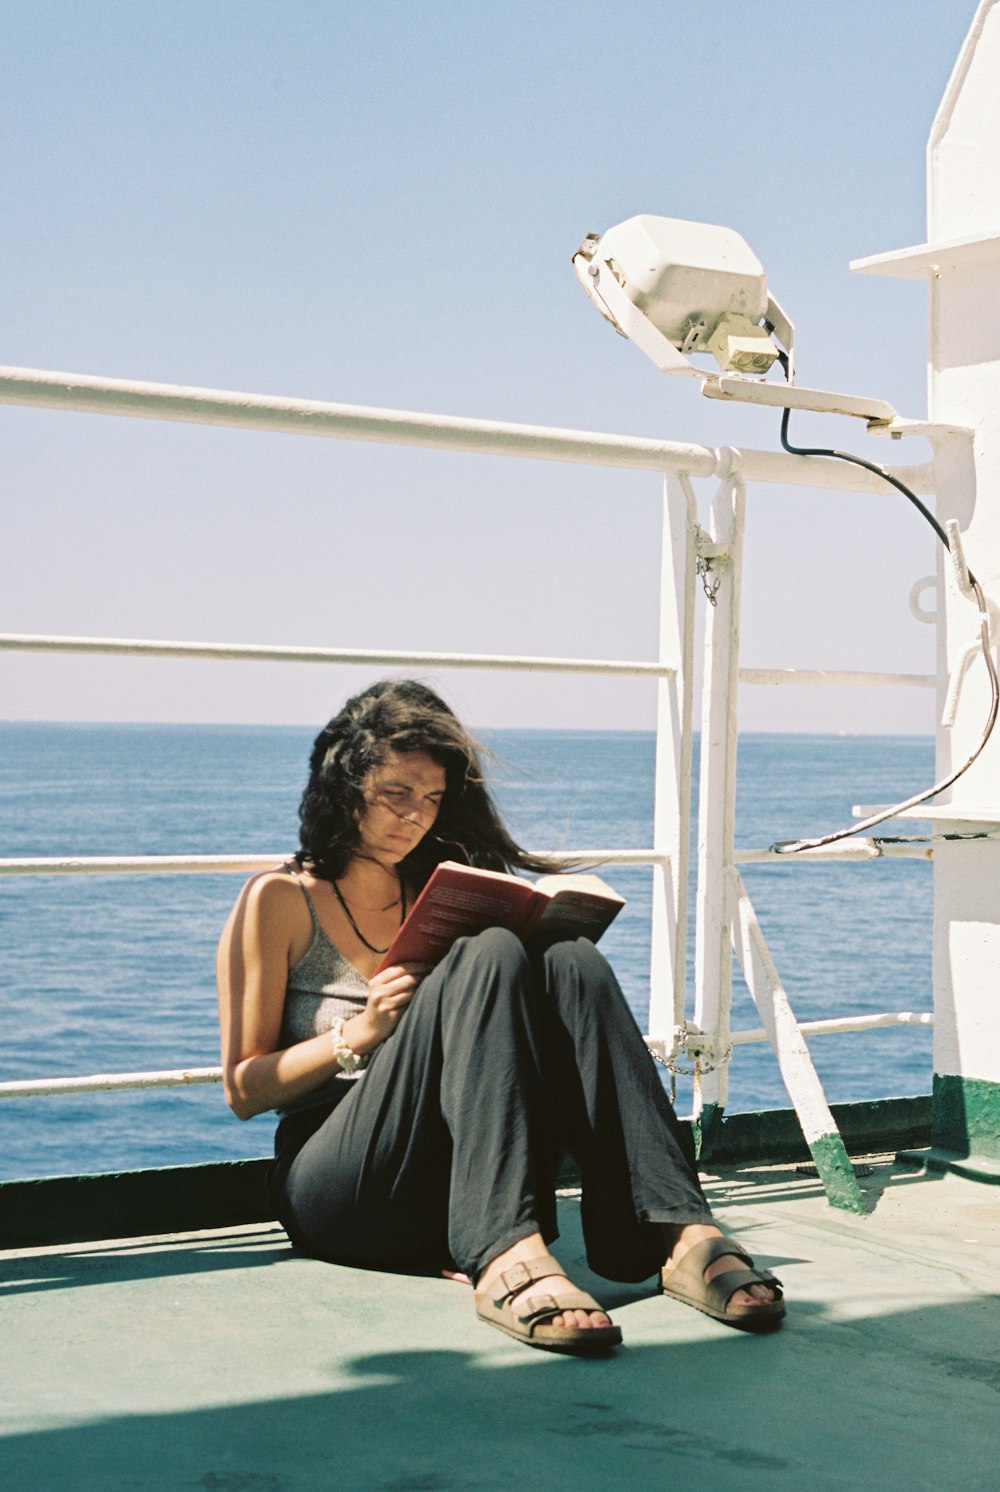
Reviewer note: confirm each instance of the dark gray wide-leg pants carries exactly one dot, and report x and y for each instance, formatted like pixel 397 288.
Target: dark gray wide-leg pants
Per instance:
pixel 445 1153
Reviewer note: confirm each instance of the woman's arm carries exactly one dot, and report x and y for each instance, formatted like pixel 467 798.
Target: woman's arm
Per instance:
pixel 267 924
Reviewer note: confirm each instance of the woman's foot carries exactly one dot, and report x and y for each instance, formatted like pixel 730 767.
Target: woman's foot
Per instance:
pixel 685 1238
pixel 525 1300
pixel 742 1295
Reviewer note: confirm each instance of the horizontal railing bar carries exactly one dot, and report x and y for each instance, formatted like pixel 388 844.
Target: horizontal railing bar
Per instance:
pixel 239 652
pixel 845 1023
pixel 188 1076
pixel 88 394
pixel 111 1082
pixel 137 864
pixel 848 850
pixel 249 864
pixel 835 676
pixel 259 653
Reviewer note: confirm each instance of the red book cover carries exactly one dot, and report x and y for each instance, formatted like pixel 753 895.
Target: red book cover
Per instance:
pixel 459 900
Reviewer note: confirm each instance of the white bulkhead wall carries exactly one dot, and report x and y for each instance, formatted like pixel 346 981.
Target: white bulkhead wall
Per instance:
pixel 963 178
pixel 961 264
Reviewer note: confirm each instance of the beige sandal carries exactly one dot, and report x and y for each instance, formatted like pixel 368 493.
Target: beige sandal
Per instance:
pixel 686 1281
pixel 495 1309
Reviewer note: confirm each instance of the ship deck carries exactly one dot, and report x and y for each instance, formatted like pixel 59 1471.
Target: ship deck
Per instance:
pixel 223 1360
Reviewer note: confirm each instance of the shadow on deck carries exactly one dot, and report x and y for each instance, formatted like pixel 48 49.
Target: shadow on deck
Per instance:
pixel 225 1361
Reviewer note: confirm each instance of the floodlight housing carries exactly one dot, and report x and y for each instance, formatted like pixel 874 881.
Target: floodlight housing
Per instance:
pixel 678 288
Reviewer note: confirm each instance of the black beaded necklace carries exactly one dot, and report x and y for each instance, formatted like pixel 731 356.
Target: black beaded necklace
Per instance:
pixel 360 935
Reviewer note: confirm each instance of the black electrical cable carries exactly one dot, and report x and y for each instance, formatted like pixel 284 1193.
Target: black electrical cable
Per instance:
pixel 872 466
pixel 792 846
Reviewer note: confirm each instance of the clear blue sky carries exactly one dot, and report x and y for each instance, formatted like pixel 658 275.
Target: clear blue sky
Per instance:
pixel 377 203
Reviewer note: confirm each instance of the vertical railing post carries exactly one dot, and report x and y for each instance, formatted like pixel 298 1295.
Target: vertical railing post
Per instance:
pixel 719 557
pixel 672 794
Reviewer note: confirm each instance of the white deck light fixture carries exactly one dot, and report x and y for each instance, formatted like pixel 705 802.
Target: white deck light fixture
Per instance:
pixel 677 289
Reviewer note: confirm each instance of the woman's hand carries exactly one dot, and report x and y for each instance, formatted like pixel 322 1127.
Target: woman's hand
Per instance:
pixel 389 993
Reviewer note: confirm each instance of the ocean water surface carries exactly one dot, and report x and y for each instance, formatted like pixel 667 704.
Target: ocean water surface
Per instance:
pixel 113 973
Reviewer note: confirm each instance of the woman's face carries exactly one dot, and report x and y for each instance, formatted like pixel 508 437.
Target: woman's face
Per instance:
pixel 402 799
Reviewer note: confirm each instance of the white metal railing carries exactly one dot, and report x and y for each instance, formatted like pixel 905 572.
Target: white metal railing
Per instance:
pixel 844 677
pixel 247 864
pixel 47 865
pixel 686 550
pixel 243 652
pixel 240 652
pixel 112 1082
pixel 188 1077
pixel 163 401
pixel 843 1023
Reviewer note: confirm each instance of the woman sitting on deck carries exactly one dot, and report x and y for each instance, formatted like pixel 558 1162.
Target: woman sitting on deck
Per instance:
pixel 424 1111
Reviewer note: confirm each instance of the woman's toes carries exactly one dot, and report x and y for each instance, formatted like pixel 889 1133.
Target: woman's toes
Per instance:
pixel 575 1318
pixel 581 1319
pixel 572 1319
pixel 591 1318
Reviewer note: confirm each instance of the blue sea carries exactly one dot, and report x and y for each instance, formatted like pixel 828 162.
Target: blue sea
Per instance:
pixel 114 973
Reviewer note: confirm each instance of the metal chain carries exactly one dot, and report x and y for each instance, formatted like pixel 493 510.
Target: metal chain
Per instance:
pixel 700 1067
pixel 703 567
pixel 701 1064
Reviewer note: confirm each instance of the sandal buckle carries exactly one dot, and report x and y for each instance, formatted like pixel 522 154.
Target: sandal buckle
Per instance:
pixel 515 1278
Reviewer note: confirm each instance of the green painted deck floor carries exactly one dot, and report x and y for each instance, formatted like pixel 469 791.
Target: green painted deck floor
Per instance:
pixel 224 1361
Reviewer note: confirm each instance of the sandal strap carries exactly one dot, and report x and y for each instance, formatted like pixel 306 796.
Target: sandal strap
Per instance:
pixel 753 1273
pixel 701 1255
pixel 519 1276
pixel 724 1286
pixel 525 1272
pixel 697 1259
pixel 694 1263
pixel 714 1248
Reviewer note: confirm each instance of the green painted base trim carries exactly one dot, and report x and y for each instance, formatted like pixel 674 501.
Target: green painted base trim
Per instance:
pixel 966 1116
pixel 972 1167
pixel 774 1136
pixel 706 1129
pixel 180 1199
pixel 837 1173
pixel 130 1204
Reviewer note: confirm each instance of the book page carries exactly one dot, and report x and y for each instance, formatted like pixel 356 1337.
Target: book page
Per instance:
pixel 578 914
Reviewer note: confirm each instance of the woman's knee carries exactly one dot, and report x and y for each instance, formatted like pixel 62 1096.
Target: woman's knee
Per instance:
pixel 578 958
pixel 497 948
pixel 576 968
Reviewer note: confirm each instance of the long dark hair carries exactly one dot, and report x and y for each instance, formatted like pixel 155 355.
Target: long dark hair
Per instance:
pixel 402 715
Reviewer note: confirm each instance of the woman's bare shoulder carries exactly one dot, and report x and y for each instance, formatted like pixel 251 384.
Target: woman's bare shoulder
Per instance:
pixel 271 895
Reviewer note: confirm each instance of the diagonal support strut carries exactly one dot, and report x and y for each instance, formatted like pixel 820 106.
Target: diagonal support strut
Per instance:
pixel 798 1073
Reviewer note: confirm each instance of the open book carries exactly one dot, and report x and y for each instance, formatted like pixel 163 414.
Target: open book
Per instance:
pixel 459 900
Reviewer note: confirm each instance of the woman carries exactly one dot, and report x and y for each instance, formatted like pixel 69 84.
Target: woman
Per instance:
pixel 424 1111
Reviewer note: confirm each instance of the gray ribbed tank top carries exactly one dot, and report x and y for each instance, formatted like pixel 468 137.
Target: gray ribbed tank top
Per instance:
pixel 321 987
